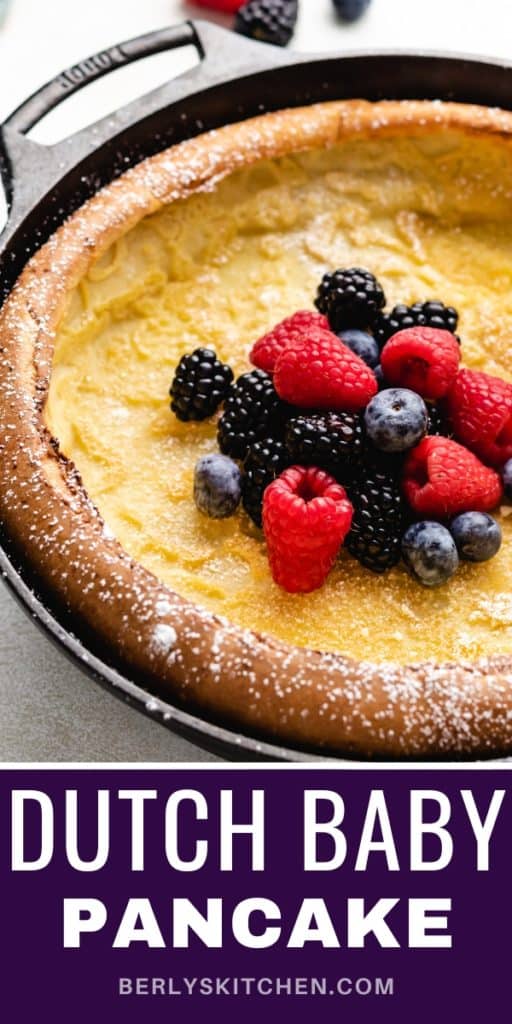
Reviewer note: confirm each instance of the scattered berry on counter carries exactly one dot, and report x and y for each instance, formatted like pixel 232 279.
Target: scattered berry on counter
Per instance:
pixel 266 350
pixel 424 359
pixel 217 486
pixel 396 419
pixel 350 298
pixel 318 372
pixel 351 10
pixel 378 521
pixel 430 553
pixel 477 536
pixel 421 314
pixel 441 479
pixel 306 516
pixel 200 384
pixel 363 344
pixel 269 21
pixel 227 6
pixel 264 461
pixel 331 440
pixel 506 476
pixel 252 411
pixel 479 409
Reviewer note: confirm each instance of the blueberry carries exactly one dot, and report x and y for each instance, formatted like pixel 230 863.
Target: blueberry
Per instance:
pixel 381 380
pixel 506 474
pixel 396 419
pixel 217 486
pixel 363 344
pixel 351 10
pixel 477 536
pixel 429 552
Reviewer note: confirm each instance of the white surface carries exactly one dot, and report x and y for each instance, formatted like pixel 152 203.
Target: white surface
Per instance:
pixel 48 709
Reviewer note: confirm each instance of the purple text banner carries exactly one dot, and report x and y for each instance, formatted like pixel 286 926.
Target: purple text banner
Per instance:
pixel 250 894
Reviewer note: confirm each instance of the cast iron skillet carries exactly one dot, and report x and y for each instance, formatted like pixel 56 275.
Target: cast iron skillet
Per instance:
pixel 233 80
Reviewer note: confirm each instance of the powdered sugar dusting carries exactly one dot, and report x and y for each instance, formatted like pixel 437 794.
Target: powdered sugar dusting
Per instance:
pixel 164 639
pixel 163 607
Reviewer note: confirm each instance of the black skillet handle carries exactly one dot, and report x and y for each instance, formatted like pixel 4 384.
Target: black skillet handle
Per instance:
pixel 18 153
pixel 223 55
pixel 99 64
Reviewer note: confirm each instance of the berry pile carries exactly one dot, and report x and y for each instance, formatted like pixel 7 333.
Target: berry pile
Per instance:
pixel 357 429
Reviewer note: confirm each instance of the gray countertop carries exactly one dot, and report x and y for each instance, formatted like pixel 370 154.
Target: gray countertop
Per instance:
pixel 51 711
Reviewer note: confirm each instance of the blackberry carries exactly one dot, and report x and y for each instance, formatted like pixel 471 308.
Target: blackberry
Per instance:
pixel 264 462
pixel 329 440
pixel 350 298
pixel 421 314
pixel 269 21
pixel 377 527
pixel 200 384
pixel 252 411
pixel 437 425
pixel 386 464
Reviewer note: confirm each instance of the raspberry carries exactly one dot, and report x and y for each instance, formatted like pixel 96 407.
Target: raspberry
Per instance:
pixel 424 359
pixel 441 479
pixel 264 352
pixel 306 517
pixel 318 372
pixel 479 409
pixel 228 6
